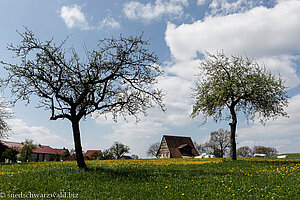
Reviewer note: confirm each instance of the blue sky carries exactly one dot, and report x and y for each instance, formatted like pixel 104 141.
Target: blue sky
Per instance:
pixel 180 31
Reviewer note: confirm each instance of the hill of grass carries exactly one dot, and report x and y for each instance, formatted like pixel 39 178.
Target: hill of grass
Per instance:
pixel 154 179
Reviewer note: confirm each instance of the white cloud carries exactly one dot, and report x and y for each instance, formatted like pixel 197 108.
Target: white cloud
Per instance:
pixel 185 69
pixel 39 135
pixel 268 34
pixel 177 100
pixel 148 12
pixel 284 65
pixel 201 2
pixel 253 32
pixel 73 17
pixel 225 7
pixel 110 22
pixel 282 133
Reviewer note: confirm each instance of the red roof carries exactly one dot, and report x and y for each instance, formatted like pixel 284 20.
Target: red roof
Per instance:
pixel 90 152
pixel 40 148
pixel 46 150
pixel 61 151
pixel 12 144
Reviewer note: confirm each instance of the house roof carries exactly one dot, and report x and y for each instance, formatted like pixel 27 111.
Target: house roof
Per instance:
pixel 61 151
pixel 125 157
pixel 40 148
pixel 175 143
pixel 12 144
pixel 184 146
pixel 88 153
pixel 46 150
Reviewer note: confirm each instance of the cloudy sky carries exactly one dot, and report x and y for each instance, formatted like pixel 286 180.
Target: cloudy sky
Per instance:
pixel 180 32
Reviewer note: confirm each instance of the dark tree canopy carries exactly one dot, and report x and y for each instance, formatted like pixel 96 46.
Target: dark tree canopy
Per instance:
pixel 107 155
pixel 269 151
pixel 220 142
pixel 10 154
pixel 97 155
pixel 203 148
pixel 26 150
pixel 118 149
pixel 153 149
pixel 228 85
pixel 244 151
pixel 116 78
pixel 2 149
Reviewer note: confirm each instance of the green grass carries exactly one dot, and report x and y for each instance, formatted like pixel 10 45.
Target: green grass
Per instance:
pixel 252 178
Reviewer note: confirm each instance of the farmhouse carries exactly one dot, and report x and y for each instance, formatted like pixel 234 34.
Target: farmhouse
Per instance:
pixel 176 147
pixel 41 153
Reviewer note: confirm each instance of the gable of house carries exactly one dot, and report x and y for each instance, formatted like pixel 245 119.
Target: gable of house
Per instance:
pixel 177 147
pixel 163 151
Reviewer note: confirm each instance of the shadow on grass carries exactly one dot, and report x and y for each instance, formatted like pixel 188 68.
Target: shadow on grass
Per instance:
pixel 121 172
pixel 146 173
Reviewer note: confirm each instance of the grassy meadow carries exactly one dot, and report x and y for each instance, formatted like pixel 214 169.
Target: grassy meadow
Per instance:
pixel 247 178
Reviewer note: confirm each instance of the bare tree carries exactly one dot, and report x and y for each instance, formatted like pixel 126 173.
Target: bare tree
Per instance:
pixel 4 115
pixel 118 149
pixel 204 148
pixel 107 155
pixel 117 78
pixel 244 151
pixel 220 142
pixel 153 148
pixel 269 151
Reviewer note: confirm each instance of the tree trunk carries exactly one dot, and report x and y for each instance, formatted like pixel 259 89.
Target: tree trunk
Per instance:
pixel 77 141
pixel 221 151
pixel 232 134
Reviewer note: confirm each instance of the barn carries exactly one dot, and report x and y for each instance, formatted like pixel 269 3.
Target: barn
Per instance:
pixel 41 153
pixel 176 147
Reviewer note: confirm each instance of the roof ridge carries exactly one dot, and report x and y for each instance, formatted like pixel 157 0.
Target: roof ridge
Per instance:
pixel 176 136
